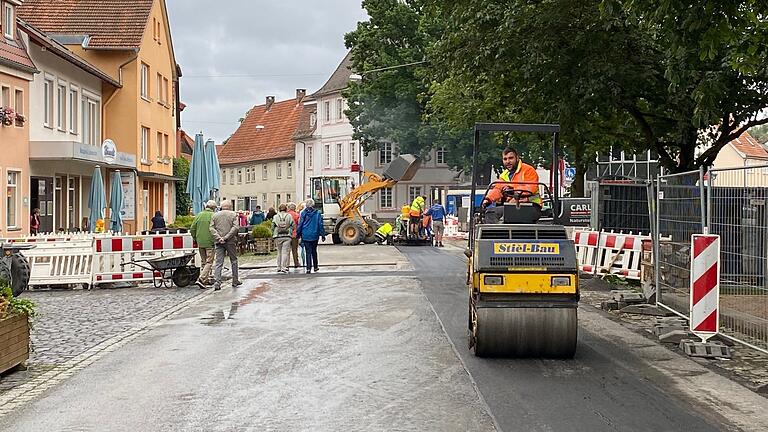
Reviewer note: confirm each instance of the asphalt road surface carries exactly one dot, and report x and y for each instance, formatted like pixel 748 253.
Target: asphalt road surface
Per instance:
pixel 616 382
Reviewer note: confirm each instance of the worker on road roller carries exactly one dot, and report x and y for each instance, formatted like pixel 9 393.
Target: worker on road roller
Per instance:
pixel 522 267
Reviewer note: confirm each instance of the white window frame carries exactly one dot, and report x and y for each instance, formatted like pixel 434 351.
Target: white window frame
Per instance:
pixel 385 154
pixel 440 156
pixel 327 109
pixel 61 105
pixel 414 191
pixel 74 111
pixel 91 119
pixel 279 170
pixel 239 176
pixel 384 195
pixel 17 191
pixel 289 167
pixel 223 176
pixel 5 91
pixel 327 156
pixel 339 155
pixel 144 87
pixel 247 175
pixel 232 176
pixel 310 157
pixel 19 111
pixel 264 171
pixel 9 20
pixel 339 109
pixel 145 132
pixel 48 102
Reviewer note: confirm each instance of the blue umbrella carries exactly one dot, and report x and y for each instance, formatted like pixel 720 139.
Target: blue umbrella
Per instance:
pixel 116 204
pixel 212 169
pixel 197 182
pixel 97 200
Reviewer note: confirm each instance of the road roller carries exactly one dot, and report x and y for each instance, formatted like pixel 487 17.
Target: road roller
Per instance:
pixel 522 268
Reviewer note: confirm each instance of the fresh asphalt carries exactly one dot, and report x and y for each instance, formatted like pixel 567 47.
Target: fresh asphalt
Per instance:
pixel 604 388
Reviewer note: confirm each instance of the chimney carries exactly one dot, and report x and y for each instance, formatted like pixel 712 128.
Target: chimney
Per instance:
pixel 270 101
pixel 300 93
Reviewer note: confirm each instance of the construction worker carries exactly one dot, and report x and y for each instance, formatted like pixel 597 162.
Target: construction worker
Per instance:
pixel 417 209
pixel 384 234
pixel 405 215
pixel 519 182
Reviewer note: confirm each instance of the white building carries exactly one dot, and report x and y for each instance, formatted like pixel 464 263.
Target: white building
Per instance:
pixel 331 151
pixel 65 132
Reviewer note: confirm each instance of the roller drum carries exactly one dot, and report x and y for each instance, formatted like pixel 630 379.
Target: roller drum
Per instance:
pixel 526 332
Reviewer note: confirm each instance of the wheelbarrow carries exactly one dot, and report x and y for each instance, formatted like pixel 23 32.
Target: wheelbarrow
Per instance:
pixel 170 270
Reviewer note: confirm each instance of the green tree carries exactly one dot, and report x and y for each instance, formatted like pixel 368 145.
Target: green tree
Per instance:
pixel 760 133
pixel 181 171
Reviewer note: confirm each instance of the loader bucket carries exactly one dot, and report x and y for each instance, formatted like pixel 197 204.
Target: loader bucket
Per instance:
pixel 403 168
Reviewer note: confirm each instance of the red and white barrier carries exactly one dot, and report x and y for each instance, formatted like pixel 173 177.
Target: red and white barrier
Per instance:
pixel 621 255
pixel 705 285
pixel 586 243
pixel 114 257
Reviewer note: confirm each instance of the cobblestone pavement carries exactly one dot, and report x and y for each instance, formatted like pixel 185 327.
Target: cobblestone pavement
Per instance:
pixel 71 322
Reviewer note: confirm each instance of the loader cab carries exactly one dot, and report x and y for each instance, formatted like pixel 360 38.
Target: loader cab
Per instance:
pixel 326 191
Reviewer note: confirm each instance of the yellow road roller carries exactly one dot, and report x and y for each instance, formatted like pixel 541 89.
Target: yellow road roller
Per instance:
pixel 522 268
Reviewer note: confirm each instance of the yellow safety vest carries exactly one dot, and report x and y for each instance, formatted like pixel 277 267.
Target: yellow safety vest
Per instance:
pixel 417 205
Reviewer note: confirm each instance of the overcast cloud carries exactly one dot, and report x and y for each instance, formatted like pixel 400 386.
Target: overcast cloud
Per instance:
pixel 281 45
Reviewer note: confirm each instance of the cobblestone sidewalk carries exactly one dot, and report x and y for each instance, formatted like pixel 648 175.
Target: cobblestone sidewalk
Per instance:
pixel 70 323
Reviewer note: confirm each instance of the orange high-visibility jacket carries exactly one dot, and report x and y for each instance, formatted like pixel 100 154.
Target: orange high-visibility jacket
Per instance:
pixel 525 177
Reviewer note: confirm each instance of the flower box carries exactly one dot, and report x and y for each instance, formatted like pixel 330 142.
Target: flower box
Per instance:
pixel 14 341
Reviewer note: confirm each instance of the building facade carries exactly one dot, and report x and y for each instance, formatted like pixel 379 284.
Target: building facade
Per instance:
pixel 16 72
pixel 258 161
pixel 65 144
pixel 131 42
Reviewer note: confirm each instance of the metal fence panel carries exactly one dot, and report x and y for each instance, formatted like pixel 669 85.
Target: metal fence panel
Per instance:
pixel 623 207
pixel 738 212
pixel 679 206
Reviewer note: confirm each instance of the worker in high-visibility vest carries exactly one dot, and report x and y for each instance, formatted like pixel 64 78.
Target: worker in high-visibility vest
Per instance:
pixel 418 206
pixel 405 215
pixel 384 234
pixel 519 182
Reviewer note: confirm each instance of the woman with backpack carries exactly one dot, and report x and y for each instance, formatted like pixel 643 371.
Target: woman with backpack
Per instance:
pixel 282 229
pixel 310 230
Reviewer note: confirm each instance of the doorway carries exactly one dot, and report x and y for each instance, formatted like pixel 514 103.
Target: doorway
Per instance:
pixel 41 197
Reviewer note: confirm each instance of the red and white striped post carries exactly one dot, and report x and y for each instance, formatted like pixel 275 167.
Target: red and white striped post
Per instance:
pixel 705 285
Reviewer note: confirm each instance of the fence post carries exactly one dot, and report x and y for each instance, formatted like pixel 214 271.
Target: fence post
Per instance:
pixel 657 240
pixel 702 200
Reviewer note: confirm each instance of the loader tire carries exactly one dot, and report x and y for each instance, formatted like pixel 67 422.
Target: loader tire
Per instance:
pixel 351 232
pixel 370 234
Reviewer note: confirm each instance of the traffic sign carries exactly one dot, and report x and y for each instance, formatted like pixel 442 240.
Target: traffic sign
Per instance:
pixel 570 174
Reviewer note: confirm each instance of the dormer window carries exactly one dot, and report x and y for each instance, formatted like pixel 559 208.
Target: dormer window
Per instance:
pixel 8 20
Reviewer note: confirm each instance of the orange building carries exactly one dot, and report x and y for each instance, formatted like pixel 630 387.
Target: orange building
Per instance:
pixel 130 41
pixel 16 72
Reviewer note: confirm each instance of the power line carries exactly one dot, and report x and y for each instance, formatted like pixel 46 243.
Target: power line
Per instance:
pixel 252 75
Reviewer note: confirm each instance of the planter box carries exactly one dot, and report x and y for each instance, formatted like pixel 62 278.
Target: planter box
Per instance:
pixel 262 246
pixel 14 341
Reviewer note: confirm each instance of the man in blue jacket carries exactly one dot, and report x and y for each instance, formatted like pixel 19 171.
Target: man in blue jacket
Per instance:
pixel 310 231
pixel 437 211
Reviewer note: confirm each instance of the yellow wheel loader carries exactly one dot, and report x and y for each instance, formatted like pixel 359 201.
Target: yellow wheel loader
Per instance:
pixel 522 270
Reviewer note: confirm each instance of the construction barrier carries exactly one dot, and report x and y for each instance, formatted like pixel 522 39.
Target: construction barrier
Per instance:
pixel 705 285
pixel 603 253
pixel 115 258
pixel 586 243
pixel 61 263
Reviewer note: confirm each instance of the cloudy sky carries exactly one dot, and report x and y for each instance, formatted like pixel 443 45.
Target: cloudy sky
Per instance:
pixel 235 54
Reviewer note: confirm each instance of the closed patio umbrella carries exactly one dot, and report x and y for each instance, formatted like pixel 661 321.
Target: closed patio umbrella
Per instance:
pixel 116 204
pixel 97 200
pixel 197 182
pixel 212 169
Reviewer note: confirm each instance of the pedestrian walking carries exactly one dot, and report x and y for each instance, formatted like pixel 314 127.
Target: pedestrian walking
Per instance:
pixel 224 229
pixel 282 232
pixel 271 213
pixel 34 222
pixel 201 233
pixel 294 239
pixel 438 213
pixel 309 232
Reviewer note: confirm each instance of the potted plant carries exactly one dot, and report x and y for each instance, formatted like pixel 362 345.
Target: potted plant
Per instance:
pixel 14 328
pixel 262 238
pixel 8 117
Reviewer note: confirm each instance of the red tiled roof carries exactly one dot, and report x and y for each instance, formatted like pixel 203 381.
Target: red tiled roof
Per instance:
pixel 15 56
pixel 273 141
pixel 116 24
pixel 749 146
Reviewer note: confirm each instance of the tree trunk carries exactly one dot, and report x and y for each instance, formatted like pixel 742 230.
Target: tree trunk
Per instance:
pixel 686 157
